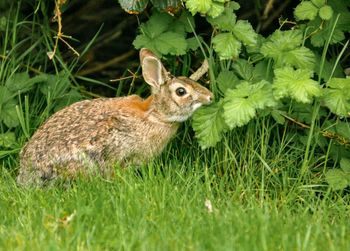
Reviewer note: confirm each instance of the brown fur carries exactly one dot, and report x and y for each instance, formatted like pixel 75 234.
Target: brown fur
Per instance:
pixel 90 136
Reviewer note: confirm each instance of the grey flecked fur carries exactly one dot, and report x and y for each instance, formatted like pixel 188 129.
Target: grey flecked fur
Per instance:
pixel 92 135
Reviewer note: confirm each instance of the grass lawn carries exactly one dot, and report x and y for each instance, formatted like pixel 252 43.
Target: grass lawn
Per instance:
pixel 170 205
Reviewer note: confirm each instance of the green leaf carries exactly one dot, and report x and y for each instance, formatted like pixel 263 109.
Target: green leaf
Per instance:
pixel 209 124
pixel 326 12
pixel 320 37
pixel 171 43
pixel 343 129
pixel 201 6
pixel 216 9
pixel 244 31
pixel 277 116
pixel 8 140
pixel 225 21
pixel 192 43
pixel 227 80
pixel 158 37
pixel 319 3
pixel 281 41
pixel 345 165
pixel 226 45
pixel 186 20
pixel 134 6
pixel 327 69
pixel 336 178
pixel 336 97
pixel 22 82
pixel 238 111
pixel 240 104
pixel 9 114
pixel 300 57
pixel 244 69
pixel 55 85
pixel 305 11
pixel 156 25
pixel 5 95
pixel 262 95
pixel 284 47
pixel 295 84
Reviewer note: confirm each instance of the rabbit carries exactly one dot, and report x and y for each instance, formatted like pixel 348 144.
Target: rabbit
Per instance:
pixel 94 135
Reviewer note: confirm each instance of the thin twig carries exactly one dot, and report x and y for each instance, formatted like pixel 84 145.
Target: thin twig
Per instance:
pixel 200 71
pixel 59 35
pixel 275 14
pixel 327 134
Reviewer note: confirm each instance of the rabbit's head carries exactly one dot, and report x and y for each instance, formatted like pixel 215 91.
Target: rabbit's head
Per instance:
pixel 174 98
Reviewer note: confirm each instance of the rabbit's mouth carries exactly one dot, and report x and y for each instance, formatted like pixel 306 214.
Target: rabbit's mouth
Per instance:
pixel 195 106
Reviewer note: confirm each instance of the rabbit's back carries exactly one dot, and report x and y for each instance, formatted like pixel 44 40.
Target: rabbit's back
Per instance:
pixel 94 133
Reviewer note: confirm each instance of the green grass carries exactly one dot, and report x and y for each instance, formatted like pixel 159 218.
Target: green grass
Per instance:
pixel 162 206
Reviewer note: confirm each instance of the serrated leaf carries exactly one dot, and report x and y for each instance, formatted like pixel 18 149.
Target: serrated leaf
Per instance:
pixel 240 104
pixel 326 12
pixel 7 139
pixel 192 43
pixel 339 83
pixel 295 84
pixel 226 45
pixel 209 124
pixel 244 31
pixel 319 38
pixel 201 6
pixel 227 80
pixel 244 69
pixel 337 101
pixel 237 111
pixel 262 95
pixel 225 21
pixel 305 11
pixel 281 41
pixel 216 9
pixel 337 97
pixel 300 57
pixel 284 47
pixel 187 20
pixel 156 25
pixel 171 43
pixel 319 3
pixel 158 37
pixel 262 71
pixel 336 178
pixel 345 165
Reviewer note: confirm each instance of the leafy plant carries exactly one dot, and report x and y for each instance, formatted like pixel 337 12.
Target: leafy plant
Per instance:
pixel 339 179
pixel 287 75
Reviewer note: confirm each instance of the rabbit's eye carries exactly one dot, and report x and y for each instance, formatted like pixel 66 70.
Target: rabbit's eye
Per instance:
pixel 180 91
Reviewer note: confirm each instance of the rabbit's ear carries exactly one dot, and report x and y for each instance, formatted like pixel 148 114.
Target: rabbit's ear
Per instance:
pixel 153 70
